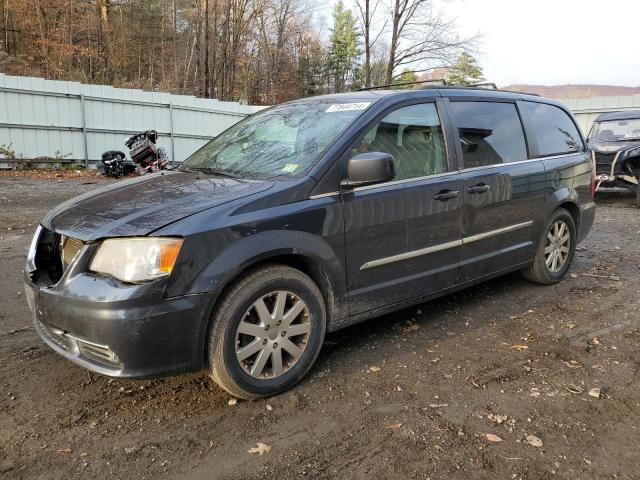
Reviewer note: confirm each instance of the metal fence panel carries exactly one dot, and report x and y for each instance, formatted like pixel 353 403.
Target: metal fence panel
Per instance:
pixel 587 110
pixel 58 119
pixel 50 118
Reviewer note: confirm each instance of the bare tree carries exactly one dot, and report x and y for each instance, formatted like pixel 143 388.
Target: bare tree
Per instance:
pixel 367 15
pixel 422 37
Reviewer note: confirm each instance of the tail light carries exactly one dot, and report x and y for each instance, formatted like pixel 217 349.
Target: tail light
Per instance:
pixel 593 174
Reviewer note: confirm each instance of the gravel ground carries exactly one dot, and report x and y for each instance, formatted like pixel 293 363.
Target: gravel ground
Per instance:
pixel 504 380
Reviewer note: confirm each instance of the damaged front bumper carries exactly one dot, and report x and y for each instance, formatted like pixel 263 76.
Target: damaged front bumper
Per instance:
pixel 107 326
pixel 611 175
pixel 117 330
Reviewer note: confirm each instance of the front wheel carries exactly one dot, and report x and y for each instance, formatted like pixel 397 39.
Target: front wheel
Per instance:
pixel 267 332
pixel 555 250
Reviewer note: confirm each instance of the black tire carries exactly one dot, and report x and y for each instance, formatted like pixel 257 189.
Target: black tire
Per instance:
pixel 538 271
pixel 226 369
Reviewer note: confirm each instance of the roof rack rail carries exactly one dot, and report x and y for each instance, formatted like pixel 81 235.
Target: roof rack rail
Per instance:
pixel 425 84
pixel 402 84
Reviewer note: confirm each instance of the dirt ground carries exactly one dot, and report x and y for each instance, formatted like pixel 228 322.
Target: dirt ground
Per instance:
pixel 510 359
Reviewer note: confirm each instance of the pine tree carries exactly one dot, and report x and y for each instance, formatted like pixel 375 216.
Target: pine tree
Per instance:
pixel 344 48
pixel 466 71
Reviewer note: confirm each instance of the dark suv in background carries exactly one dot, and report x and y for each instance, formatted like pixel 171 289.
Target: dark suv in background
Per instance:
pixel 305 218
pixel 615 142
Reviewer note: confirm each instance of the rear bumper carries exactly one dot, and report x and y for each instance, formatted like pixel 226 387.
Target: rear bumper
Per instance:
pixel 120 330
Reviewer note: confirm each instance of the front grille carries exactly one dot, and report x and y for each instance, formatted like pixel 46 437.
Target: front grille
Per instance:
pixel 54 254
pixel 604 161
pixel 69 249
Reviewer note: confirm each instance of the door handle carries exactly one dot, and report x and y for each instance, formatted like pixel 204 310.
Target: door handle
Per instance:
pixel 445 195
pixel 477 189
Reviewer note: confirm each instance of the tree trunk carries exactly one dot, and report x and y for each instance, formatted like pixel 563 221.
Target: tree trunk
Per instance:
pixel 106 36
pixel 5 26
pixel 207 71
pixel 367 45
pixel 394 42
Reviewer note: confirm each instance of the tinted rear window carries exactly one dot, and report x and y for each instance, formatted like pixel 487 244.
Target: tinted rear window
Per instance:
pixel 552 130
pixel 490 133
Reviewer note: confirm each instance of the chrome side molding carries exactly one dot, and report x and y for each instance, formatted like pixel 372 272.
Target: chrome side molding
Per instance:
pixel 444 246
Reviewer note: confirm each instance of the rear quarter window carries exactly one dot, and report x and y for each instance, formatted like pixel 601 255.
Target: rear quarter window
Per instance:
pixel 551 130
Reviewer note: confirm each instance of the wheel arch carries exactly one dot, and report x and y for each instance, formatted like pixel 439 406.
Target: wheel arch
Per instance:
pixel 307 253
pixel 574 211
pixel 564 198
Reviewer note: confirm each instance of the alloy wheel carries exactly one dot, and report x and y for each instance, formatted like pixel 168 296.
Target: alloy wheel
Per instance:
pixel 557 247
pixel 272 335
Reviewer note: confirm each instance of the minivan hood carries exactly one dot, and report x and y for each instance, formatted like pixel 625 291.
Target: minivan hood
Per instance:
pixel 613 147
pixel 142 205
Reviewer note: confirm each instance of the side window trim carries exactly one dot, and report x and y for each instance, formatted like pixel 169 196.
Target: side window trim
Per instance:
pixel 455 132
pixel 524 131
pixel 446 130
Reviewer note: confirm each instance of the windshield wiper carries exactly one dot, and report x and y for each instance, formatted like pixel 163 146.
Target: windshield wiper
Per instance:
pixel 213 171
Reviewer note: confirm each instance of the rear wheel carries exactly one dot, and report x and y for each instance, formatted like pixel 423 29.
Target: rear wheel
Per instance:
pixel 555 250
pixel 267 332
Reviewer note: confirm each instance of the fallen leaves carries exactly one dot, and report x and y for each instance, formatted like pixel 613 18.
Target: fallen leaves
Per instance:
pixel 534 441
pixel 394 426
pixel 572 364
pixel 574 389
pixel 520 348
pixel 497 418
pixel 613 278
pixel 411 327
pixel 52 173
pixel 65 450
pixel 493 438
pixel 260 448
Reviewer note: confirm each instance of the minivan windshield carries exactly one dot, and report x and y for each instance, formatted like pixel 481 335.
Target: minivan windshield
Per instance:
pixel 285 140
pixel 616 131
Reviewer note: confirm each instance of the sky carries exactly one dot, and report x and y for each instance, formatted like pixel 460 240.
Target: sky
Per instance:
pixel 552 42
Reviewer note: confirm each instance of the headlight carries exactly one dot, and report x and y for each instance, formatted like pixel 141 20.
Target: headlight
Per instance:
pixel 136 260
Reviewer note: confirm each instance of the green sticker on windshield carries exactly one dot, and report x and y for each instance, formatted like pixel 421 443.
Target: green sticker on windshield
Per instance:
pixel 290 167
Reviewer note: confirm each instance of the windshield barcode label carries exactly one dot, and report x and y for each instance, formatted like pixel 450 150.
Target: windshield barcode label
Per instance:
pixel 345 107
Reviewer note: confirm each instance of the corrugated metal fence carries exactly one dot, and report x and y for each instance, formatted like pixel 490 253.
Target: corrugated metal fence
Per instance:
pixel 74 121
pixel 587 109
pixel 70 120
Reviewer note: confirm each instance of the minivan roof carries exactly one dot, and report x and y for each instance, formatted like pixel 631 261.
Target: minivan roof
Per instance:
pixel 439 91
pixel 624 115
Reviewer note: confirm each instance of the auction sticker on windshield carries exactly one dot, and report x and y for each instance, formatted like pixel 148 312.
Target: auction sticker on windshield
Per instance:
pixel 345 107
pixel 290 167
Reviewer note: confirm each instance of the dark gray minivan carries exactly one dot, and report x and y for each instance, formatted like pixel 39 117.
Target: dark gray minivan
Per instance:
pixel 305 218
